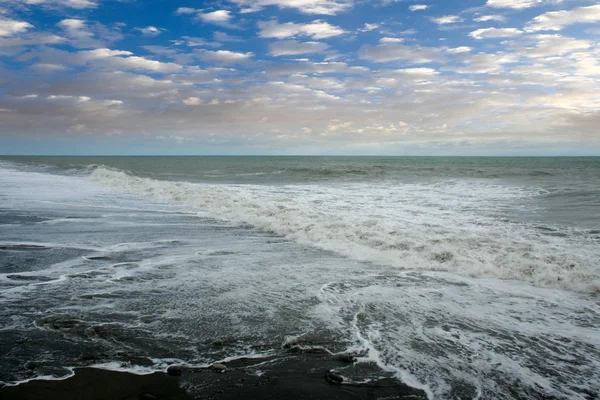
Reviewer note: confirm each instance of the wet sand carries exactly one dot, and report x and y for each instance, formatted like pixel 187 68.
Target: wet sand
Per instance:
pixel 303 376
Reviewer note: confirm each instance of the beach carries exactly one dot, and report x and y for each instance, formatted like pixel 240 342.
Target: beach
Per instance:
pixel 305 376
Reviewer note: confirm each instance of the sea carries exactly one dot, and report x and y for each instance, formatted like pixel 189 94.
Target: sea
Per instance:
pixel 466 277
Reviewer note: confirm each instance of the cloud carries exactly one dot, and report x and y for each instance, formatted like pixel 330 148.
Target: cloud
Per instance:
pixel 47 68
pixel 390 40
pixel 552 45
pixel 219 17
pixel 31 39
pixel 225 37
pixel 369 27
pixel 77 4
pixel 448 19
pixel 71 25
pixel 98 54
pixel 459 50
pixel 10 27
pixel 85 35
pixel 487 33
pixel 317 30
pixel 324 7
pixel 292 47
pixel 192 101
pixel 557 20
pixel 289 89
pixel 185 10
pixel 416 73
pixel 418 7
pixel 514 4
pixel 395 51
pixel 121 59
pixel 141 63
pixel 485 18
pixel 483 63
pixel 150 31
pixel 327 67
pixel 194 42
pixel 225 56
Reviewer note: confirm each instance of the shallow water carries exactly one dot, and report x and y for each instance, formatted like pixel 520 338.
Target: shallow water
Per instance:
pixel 469 277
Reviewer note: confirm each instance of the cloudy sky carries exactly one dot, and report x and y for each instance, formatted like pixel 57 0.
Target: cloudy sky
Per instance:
pixel 431 77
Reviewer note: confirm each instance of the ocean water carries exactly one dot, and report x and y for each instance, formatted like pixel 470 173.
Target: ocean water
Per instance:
pixel 465 277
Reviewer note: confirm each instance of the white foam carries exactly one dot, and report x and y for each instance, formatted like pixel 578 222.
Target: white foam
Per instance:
pixel 44 378
pixel 439 330
pixel 435 226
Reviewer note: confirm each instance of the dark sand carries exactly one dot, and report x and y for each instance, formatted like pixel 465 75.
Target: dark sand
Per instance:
pixel 299 376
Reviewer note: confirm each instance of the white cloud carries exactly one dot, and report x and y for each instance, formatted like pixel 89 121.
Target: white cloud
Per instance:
pixel 292 47
pixel 192 101
pixel 418 7
pixel 77 4
pixel 316 29
pixel 324 7
pixel 84 35
pixel 459 50
pixel 483 63
pixel 395 51
pixel 390 40
pixel 369 27
pixel 113 59
pixel 9 27
pixel 553 45
pixel 71 24
pixel 98 54
pixel 185 10
pixel 289 89
pixel 31 39
pixel 150 31
pixel 416 73
pixel 48 68
pixel 219 17
pixel 135 62
pixel 486 33
pixel 193 42
pixel 485 18
pixel 225 56
pixel 447 19
pixel 557 20
pixel 514 4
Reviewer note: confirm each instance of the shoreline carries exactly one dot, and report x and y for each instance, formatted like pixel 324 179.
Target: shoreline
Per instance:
pixel 294 377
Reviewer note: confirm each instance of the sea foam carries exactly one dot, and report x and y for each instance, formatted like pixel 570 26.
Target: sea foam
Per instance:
pixel 446 225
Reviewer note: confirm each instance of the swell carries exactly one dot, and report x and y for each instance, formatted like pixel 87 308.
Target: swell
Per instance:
pixel 434 226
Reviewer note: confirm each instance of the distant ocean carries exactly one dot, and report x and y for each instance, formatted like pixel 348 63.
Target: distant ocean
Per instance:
pixel 467 277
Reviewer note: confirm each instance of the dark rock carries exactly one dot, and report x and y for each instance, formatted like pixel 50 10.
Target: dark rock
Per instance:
pixel 175 370
pixel 333 378
pixel 28 277
pixel 219 367
pixel 99 258
pixel 346 357
pixel 147 396
pixel 220 342
pixel 30 365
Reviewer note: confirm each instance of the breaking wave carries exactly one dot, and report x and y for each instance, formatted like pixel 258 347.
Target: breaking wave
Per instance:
pixel 446 225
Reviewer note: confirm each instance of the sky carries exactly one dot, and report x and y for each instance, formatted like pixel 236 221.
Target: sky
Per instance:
pixel 356 77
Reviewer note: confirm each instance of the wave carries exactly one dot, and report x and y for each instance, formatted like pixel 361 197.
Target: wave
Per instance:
pixel 442 225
